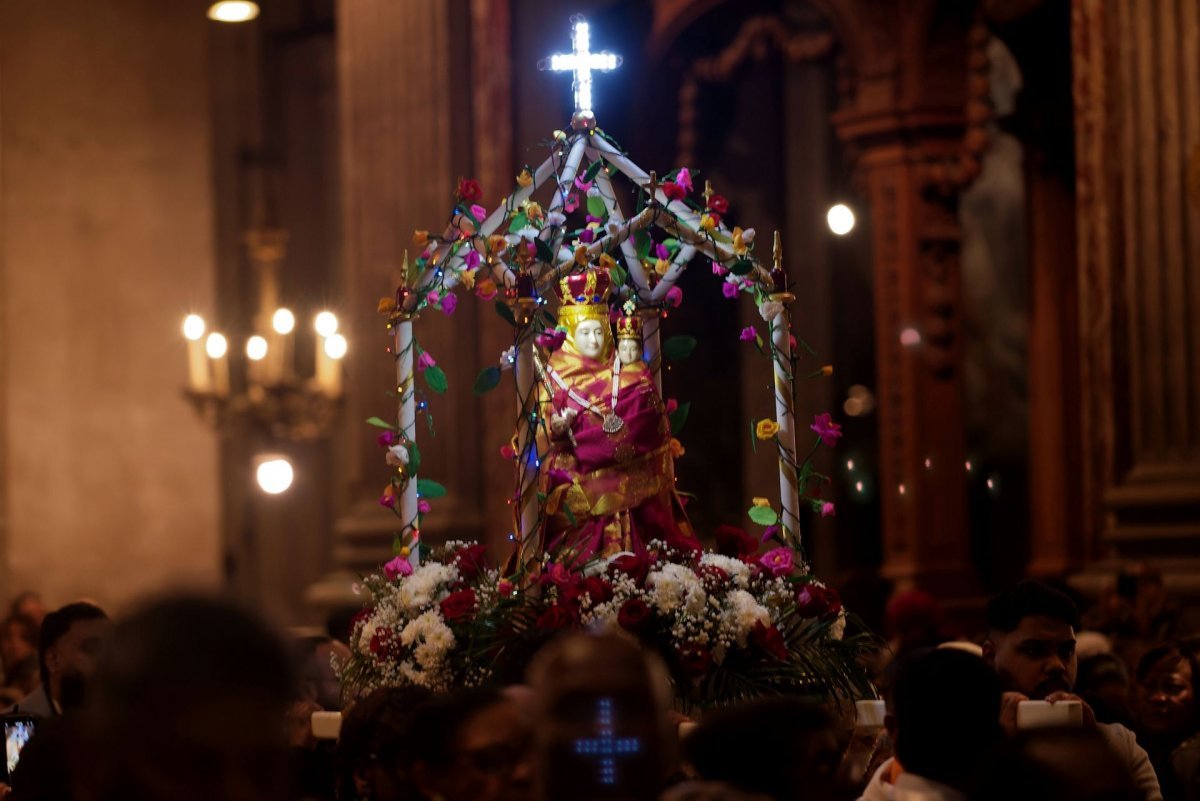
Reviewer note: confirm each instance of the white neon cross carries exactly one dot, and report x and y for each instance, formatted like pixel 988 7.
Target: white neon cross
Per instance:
pixel 581 62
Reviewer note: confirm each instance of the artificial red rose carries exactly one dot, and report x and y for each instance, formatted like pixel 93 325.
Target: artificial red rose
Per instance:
pixel 719 204
pixel 597 589
pixel 770 640
pixel 695 660
pixel 673 191
pixel 380 639
pixel 813 600
pixel 555 617
pixel 469 190
pixel 712 576
pixel 470 561
pixel 458 605
pixel 636 567
pixel 633 614
pixel 361 615
pixel 732 541
pixel 560 576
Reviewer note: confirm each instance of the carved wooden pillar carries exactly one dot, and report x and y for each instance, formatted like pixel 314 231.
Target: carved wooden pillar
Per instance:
pixel 914 122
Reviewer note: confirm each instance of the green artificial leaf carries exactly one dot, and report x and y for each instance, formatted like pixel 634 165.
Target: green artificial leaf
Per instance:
pixel 397 544
pixel 414 458
pixel 487 380
pixel 596 207
pixel 551 320
pixel 430 489
pixel 380 423
pixel 519 221
pixel 679 418
pixel 544 253
pixel 618 276
pixel 741 267
pixel 720 237
pixel 466 210
pixel 570 515
pixel 672 245
pixel 435 379
pixel 679 347
pixel 592 170
pixel 763 515
pixel 643 242
pixel 506 313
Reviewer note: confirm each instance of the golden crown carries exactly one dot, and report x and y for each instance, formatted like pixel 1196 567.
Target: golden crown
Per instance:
pixel 629 324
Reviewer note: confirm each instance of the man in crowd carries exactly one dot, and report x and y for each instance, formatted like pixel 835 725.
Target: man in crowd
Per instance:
pixel 69 642
pixel 1031 645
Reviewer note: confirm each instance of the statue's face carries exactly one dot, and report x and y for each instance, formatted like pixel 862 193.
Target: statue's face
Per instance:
pixel 630 351
pixel 589 338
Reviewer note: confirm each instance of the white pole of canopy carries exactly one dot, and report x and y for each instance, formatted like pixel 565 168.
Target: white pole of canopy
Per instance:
pixel 407 421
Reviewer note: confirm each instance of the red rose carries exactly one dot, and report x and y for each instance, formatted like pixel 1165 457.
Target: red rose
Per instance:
pixel 695 660
pixel 470 561
pixel 636 567
pixel 674 191
pixel 813 600
pixel 712 576
pixel 732 541
pixel 633 614
pixel 597 589
pixel 458 605
pixel 555 617
pixel 719 204
pixel 380 639
pixel 770 640
pixel 469 190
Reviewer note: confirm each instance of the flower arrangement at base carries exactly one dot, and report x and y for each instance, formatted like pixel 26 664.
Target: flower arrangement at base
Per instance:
pixel 731 625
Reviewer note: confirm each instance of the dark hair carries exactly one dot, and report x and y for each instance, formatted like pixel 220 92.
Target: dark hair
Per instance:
pixel 25 624
pixel 441 719
pixel 57 624
pixel 946 705
pixel 1030 599
pixel 729 746
pixel 377 728
pixel 1073 764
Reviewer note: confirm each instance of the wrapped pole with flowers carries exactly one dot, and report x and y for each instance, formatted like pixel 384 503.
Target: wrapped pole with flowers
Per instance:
pixel 785 396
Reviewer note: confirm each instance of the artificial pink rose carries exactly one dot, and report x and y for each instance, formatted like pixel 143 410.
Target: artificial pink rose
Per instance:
pixel 550 341
pixel 449 303
pixel 684 179
pixel 827 509
pixel 777 561
pixel 674 297
pixel 400 566
pixel 748 334
pixel 425 361
pixel 829 431
pixel 385 440
pixel 729 290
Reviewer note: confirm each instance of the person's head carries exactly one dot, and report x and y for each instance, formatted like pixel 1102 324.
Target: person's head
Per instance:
pixel 945 715
pixel 1103 683
pixel 319 682
pixel 188 704
pixel 595 690
pixel 29 604
pixel 68 645
pixel 1073 764
pixel 24 676
pixel 913 620
pixel 799 759
pixel 1166 691
pixel 18 640
pixel 374 750
pixel 474 746
pixel 1031 639
pixel 630 350
pixel 590 338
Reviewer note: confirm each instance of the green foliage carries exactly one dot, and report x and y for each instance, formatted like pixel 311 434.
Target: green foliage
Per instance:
pixel 380 423
pixel 543 251
pixel 741 267
pixel 505 313
pixel 678 347
pixel 519 221
pixel 763 515
pixel 679 417
pixel 642 242
pixel 435 379
pixel 596 207
pixel 592 170
pixel 430 489
pixel 487 380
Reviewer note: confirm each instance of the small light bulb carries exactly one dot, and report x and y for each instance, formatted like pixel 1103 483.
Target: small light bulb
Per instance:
pixel 910 337
pixel 326 324
pixel 840 219
pixel 275 475
pixel 193 327
pixel 335 346
pixel 233 11
pixel 216 345
pixel 284 321
pixel 256 348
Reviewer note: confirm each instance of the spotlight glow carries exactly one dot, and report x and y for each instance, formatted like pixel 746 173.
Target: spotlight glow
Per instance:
pixel 216 345
pixel 910 337
pixel 326 324
pixel 840 219
pixel 256 348
pixel 335 346
pixel 193 327
pixel 284 321
pixel 275 475
pixel 233 11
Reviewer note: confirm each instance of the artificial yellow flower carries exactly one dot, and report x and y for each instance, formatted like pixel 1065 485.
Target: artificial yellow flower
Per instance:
pixel 559 136
pixel 827 370
pixel 387 305
pixel 739 244
pixel 581 255
pixel 607 261
pixel 468 279
pixel 533 210
pixel 525 178
pixel 496 244
pixel 766 429
pixel 420 238
pixel 762 502
pixel 707 223
pixel 661 266
pixel 677 448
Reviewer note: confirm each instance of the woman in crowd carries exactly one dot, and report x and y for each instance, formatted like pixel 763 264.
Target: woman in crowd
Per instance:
pixel 374 751
pixel 1168 721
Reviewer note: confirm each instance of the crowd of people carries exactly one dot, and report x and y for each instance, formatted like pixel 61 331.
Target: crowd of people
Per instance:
pixel 194 698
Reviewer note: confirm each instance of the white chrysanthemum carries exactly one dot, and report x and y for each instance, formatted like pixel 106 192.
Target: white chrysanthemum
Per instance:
pixel 742 611
pixel 738 570
pixel 397 456
pixel 838 629
pixel 420 589
pixel 675 587
pixel 366 634
pixel 770 310
pixel 556 219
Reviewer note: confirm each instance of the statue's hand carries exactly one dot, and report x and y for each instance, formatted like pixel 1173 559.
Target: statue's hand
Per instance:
pixel 560 423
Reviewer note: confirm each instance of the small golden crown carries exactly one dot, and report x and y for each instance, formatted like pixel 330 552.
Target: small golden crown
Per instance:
pixel 629 325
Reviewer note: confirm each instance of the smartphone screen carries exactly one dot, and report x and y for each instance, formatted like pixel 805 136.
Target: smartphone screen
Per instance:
pixel 17 731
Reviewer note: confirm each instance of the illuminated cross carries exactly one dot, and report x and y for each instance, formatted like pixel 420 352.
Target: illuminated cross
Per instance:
pixel 581 62
pixel 606 746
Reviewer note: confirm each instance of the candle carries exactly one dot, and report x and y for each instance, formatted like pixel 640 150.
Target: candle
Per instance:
pixel 218 351
pixel 329 363
pixel 283 323
pixel 193 331
pixel 256 351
